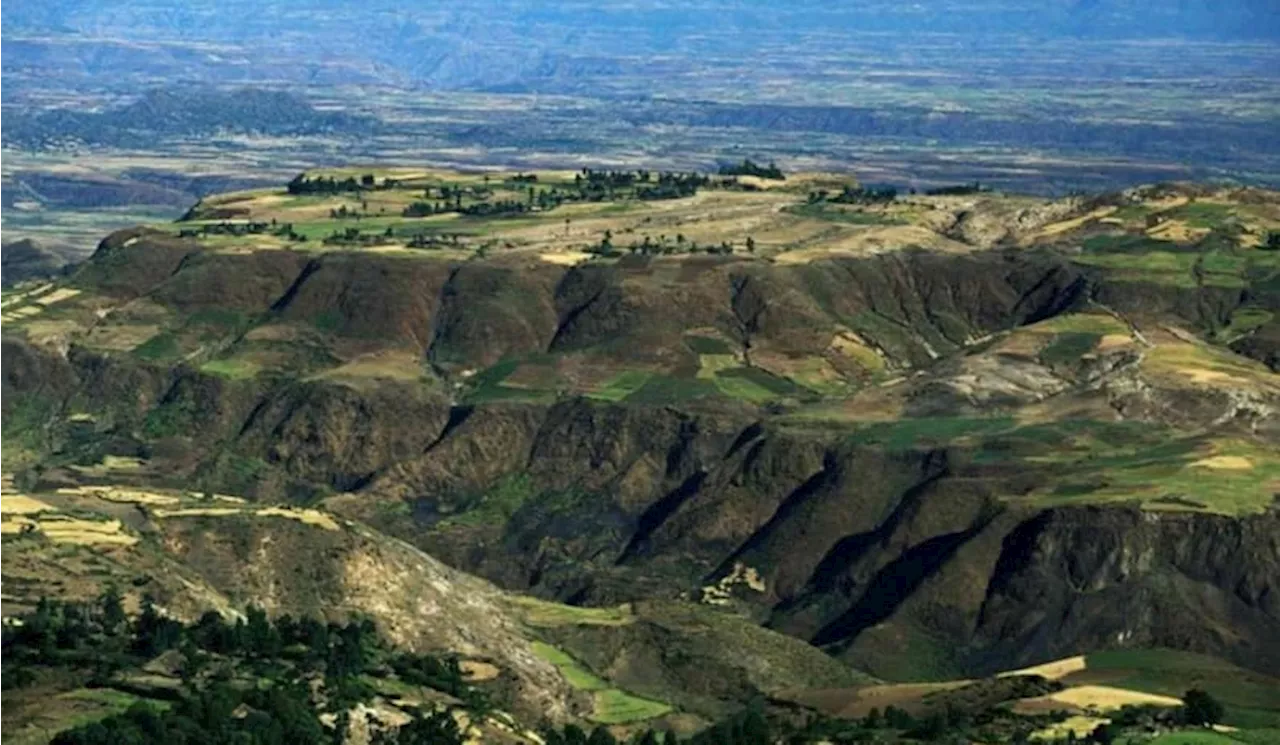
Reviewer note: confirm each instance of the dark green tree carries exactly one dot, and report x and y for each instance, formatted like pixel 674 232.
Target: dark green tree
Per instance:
pixel 436 728
pixel 111 606
pixel 601 736
pixel 872 720
pixel 1199 708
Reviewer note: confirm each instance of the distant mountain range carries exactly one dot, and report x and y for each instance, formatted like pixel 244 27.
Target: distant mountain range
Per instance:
pixel 239 21
pixel 471 45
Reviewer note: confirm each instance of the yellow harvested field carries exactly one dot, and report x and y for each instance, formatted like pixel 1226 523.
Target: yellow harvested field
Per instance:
pixel 1225 463
pixel 565 258
pixel 199 512
pixel 848 344
pixel 1081 726
pixel 42 332
pixel 21 504
pixel 61 529
pixel 1114 341
pixel 1065 226
pixel 1093 698
pixel 476 671
pixel 1052 670
pixel 1209 376
pixel 1166 204
pixel 1177 231
pixel 23 297
pixel 14 525
pixel 21 314
pixel 1176 362
pixel 310 517
pixel 135 496
pixel 87 533
pixel 57 296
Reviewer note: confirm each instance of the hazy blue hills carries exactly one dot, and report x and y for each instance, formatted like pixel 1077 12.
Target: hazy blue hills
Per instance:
pixel 239 21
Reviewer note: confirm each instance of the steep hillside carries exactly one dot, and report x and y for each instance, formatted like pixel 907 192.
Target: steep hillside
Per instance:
pixel 935 436
pixel 25 260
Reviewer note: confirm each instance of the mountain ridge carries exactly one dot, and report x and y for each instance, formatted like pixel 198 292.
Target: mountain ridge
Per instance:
pixel 936 436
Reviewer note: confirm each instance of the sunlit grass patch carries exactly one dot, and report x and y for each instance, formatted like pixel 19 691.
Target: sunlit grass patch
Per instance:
pixel 544 613
pixel 1080 323
pixel 159 347
pixel 619 707
pixel 577 675
pixel 235 368
pixel 621 385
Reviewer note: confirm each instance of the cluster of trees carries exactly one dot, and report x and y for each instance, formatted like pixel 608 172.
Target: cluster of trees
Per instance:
pixel 885 194
pixel 663 247
pixel 214 705
pixel 500 208
pixel 749 168
pixel 223 713
pixel 425 240
pixel 357 237
pixel 279 715
pixel 957 190
pixel 601 186
pixel 855 195
pixel 284 230
pixel 300 184
pixel 448 199
pixel 426 209
pixel 1273 241
pixel 588 186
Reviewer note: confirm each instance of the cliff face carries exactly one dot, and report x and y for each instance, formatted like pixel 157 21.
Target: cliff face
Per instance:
pixel 1090 578
pixel 906 551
